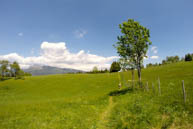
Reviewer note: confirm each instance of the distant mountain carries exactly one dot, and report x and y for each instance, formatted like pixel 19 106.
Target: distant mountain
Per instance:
pixel 46 70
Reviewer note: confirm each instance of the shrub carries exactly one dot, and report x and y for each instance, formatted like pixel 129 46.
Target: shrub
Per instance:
pixel 115 67
pixel 188 57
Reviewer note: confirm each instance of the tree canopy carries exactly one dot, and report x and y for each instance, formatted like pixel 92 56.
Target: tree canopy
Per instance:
pixel 115 67
pixel 133 44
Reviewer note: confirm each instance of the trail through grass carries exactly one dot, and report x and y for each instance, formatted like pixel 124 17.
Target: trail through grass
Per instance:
pixel 104 119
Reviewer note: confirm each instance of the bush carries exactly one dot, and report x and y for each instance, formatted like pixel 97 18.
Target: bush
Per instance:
pixel 188 57
pixel 115 67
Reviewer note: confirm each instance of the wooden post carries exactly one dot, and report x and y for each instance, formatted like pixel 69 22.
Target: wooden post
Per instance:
pixel 153 88
pixel 119 85
pixel 147 89
pixel 184 92
pixel 159 86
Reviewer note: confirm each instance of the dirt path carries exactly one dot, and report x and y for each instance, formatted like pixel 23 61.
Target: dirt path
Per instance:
pixel 104 116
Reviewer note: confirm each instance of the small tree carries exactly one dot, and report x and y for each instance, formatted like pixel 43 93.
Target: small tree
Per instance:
pixel 95 69
pixel 4 67
pixel 134 43
pixel 115 67
pixel 188 57
pixel 15 69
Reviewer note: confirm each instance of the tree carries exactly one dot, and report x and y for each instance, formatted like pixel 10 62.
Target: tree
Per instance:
pixel 134 43
pixel 172 59
pixel 4 67
pixel 95 69
pixel 188 57
pixel 115 67
pixel 15 69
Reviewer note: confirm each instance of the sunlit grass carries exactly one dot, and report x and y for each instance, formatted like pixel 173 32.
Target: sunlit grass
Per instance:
pixel 79 100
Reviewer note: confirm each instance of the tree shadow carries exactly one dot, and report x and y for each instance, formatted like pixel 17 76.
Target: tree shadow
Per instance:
pixel 4 79
pixel 120 92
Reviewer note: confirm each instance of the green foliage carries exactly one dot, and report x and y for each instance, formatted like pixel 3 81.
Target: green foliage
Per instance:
pixel 188 57
pixel 27 74
pixel 8 70
pixel 115 67
pixel 134 43
pixel 171 59
pixel 15 69
pixel 95 70
pixel 153 65
pixel 4 67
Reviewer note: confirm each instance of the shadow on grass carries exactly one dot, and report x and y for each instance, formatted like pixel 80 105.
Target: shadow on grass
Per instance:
pixel 120 92
pixel 4 79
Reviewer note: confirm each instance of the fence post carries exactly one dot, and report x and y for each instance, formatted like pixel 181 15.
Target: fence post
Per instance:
pixel 159 86
pixel 119 85
pixel 153 88
pixel 184 92
pixel 147 86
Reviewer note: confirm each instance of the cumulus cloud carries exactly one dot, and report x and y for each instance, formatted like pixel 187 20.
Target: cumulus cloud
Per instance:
pixel 20 34
pixel 57 55
pixel 154 49
pixel 80 33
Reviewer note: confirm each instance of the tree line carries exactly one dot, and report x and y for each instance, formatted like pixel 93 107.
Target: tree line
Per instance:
pixel 8 69
pixel 172 59
pixel 115 67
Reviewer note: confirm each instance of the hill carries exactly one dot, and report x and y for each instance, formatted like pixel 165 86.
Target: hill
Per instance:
pixel 47 70
pixel 93 101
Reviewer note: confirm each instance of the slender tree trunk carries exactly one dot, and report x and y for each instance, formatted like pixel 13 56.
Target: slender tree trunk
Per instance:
pixel 133 74
pixel 139 75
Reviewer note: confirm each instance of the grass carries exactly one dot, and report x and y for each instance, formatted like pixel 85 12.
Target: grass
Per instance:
pixel 91 101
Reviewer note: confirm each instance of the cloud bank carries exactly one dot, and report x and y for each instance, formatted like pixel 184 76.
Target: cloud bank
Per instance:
pixel 57 55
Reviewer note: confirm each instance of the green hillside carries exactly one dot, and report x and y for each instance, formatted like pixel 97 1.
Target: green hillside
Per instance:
pixel 90 101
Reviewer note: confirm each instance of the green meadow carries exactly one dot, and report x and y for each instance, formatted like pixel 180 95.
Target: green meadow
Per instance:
pixel 94 101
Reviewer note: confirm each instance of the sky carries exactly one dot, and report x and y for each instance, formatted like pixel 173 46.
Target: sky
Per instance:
pixel 80 33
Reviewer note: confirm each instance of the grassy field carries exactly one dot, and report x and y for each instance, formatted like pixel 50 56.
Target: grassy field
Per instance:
pixel 91 101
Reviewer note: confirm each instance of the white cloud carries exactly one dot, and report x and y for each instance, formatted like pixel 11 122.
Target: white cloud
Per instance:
pixel 57 55
pixel 154 57
pixel 80 33
pixel 20 34
pixel 154 49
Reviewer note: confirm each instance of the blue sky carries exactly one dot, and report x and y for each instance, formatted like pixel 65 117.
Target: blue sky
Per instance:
pixel 92 25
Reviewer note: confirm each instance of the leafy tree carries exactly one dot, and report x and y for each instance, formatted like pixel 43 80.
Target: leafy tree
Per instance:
pixel 15 69
pixel 188 57
pixel 172 59
pixel 4 67
pixel 115 67
pixel 134 43
pixel 95 70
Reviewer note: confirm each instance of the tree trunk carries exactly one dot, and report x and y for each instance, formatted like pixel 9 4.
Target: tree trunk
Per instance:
pixel 139 75
pixel 132 72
